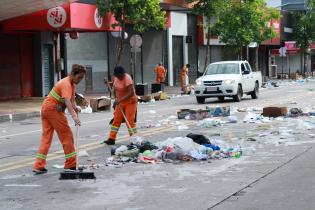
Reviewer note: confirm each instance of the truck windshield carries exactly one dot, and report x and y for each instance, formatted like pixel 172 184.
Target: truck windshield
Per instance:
pixel 222 68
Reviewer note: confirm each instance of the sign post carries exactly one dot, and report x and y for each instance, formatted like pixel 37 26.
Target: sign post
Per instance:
pixel 135 43
pixel 282 52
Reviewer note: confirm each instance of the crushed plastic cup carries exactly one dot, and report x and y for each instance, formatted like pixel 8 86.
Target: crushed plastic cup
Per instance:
pixel 232 119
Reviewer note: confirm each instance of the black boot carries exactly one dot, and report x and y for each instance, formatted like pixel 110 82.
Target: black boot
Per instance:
pixel 110 142
pixel 40 171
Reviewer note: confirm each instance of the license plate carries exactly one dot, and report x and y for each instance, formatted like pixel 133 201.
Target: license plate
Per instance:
pixel 211 89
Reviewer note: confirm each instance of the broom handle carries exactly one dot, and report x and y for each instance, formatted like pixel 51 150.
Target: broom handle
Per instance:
pixel 77 147
pixel 127 122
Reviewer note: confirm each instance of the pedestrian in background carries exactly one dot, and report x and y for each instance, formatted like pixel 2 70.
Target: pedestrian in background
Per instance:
pixel 184 78
pixel 126 101
pixel 62 96
pixel 160 73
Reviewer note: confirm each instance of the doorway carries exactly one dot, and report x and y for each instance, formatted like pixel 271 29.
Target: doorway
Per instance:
pixel 178 58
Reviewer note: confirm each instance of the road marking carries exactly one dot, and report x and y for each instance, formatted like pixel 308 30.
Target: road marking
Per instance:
pixel 87 147
pixel 22 185
pixel 35 131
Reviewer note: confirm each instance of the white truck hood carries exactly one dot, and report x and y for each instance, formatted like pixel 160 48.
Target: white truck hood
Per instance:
pixel 216 77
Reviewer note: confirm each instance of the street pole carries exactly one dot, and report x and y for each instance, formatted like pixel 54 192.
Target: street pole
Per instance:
pixel 141 63
pixel 108 57
pixel 135 66
pixel 282 67
pixel 289 66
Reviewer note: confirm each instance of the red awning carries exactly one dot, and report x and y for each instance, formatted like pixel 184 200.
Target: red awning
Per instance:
pixel 66 18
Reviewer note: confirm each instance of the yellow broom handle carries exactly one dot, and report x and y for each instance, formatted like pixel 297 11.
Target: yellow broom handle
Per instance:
pixel 127 122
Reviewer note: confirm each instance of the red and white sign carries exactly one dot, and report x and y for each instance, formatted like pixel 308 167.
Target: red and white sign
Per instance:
pixel 68 17
pixel 56 17
pixel 275 24
pixel 98 19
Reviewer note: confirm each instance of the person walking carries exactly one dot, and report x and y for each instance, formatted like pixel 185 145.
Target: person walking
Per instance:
pixel 54 119
pixel 126 101
pixel 184 78
pixel 160 73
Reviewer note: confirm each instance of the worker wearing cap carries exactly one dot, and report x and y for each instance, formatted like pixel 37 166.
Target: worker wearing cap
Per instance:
pixel 160 73
pixel 126 101
pixel 54 119
pixel 183 75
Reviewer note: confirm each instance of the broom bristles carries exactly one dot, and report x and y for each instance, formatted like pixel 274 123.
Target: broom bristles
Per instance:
pixel 76 175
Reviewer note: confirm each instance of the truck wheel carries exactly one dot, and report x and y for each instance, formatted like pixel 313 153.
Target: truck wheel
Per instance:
pixel 238 96
pixel 255 92
pixel 200 100
pixel 221 98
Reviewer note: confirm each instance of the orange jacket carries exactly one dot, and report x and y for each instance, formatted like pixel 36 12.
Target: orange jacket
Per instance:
pixel 160 71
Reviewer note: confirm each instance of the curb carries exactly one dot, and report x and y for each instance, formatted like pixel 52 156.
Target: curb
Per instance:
pixel 18 116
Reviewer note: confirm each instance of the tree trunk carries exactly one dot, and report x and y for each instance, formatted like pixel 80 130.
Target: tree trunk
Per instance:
pixel 207 50
pixel 120 47
pixel 305 63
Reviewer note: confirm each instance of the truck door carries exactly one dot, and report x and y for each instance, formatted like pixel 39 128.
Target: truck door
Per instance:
pixel 251 77
pixel 245 78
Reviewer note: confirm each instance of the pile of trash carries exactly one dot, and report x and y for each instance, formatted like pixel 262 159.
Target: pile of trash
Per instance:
pixel 193 147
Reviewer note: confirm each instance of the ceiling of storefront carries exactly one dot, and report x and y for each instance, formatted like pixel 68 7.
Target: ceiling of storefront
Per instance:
pixel 15 8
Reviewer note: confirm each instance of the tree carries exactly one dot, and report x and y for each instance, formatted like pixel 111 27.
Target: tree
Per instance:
pixel 140 14
pixel 245 21
pixel 304 30
pixel 208 9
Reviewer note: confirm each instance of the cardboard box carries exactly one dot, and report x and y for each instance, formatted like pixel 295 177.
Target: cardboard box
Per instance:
pixel 146 98
pixel 275 111
pixel 160 96
pixel 80 100
pixel 294 76
pixel 219 111
pixel 100 104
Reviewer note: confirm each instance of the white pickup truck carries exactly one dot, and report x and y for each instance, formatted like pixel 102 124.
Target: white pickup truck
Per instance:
pixel 228 79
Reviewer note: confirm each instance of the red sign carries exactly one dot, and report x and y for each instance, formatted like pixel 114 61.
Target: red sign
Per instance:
pixel 275 24
pixel 68 17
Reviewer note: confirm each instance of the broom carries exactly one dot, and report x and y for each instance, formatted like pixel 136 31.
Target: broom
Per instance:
pixel 127 122
pixel 125 118
pixel 78 173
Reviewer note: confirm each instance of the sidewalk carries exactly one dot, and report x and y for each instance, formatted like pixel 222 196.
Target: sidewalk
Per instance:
pixel 21 109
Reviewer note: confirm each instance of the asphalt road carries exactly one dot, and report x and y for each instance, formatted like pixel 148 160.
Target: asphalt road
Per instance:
pixel 275 172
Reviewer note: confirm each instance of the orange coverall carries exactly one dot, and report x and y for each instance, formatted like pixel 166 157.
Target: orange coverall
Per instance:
pixel 160 74
pixel 53 118
pixel 129 107
pixel 183 73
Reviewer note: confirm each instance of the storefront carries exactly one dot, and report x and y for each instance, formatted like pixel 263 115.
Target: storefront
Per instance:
pixel 43 40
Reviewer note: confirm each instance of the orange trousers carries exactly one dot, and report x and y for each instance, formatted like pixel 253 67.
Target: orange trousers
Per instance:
pixel 182 82
pixel 129 108
pixel 55 120
pixel 160 80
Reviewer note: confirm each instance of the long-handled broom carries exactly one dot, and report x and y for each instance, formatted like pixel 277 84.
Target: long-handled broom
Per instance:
pixel 125 118
pixel 127 122
pixel 78 173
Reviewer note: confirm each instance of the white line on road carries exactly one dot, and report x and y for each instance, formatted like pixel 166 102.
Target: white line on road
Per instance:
pixel 35 131
pixel 22 185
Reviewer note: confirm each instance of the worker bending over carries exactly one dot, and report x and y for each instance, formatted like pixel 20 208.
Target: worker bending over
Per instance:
pixel 54 119
pixel 125 100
